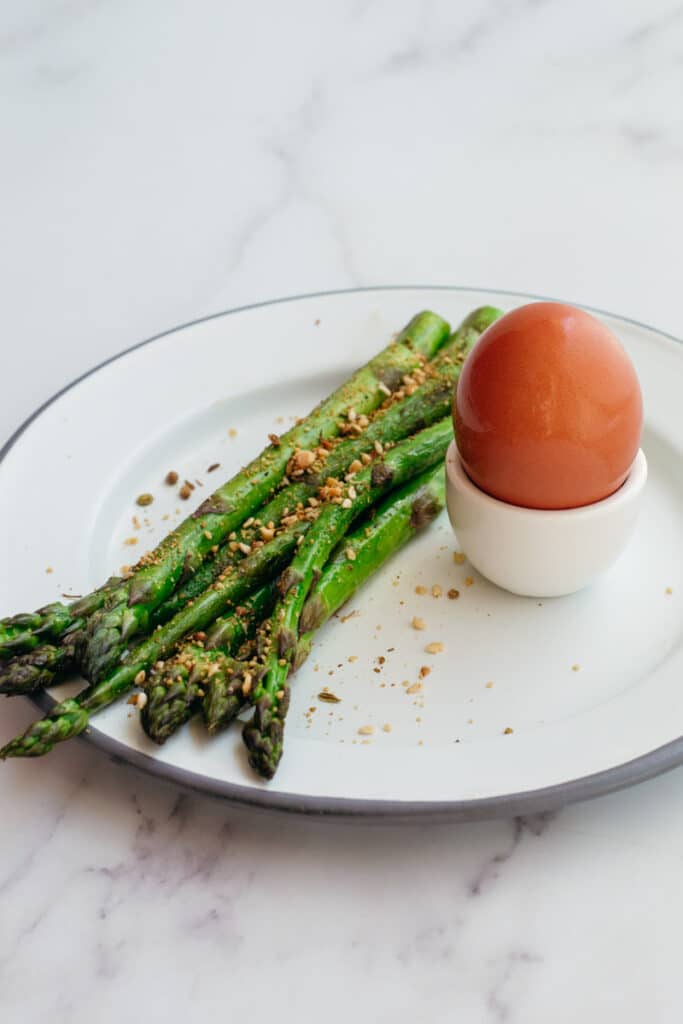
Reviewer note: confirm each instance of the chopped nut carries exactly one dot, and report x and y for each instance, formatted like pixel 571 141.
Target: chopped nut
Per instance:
pixel 346 503
pixel 214 466
pixel 468 581
pixel 418 623
pixel 232 432
pixel 274 439
pixel 453 594
pixel 424 671
pixel 351 554
pixel 208 534
pixel 129 541
pixel 383 388
pixel 171 478
pixel 185 492
pixel 365 459
pixel 267 533
pixel 669 590
pixel 434 648
pixel 507 731
pixel 420 590
pixel 436 590
pixel 458 557
pixel 379 448
pixel 366 730
pixel 575 668
pixel 246 684
pixel 355 467
pixel 144 499
pixel 140 677
pixel 244 548
pixel 415 688
pixel 352 657
pixel 386 727
pixel 328 697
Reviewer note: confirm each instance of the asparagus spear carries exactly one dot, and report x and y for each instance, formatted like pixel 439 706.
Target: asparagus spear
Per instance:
pixel 202 668
pixel 395 522
pixel 71 716
pixel 424 404
pixel 129 605
pixel 129 602
pixel 47 664
pixel 264 734
pixel 22 633
pixel 411 509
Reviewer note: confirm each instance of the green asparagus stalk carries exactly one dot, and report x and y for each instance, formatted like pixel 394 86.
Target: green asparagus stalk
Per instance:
pixel 398 519
pixel 263 736
pixel 47 664
pixel 129 605
pixel 175 687
pixel 424 404
pixel 25 632
pixel 71 716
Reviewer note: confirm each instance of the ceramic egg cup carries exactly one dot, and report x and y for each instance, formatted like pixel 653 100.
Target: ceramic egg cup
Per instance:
pixel 539 553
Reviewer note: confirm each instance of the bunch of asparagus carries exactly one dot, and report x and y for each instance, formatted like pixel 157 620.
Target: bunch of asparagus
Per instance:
pixel 219 616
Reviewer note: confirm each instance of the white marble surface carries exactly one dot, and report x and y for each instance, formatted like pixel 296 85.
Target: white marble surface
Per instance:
pixel 164 160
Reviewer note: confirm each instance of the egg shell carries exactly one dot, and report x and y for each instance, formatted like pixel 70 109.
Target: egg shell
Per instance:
pixel 548 409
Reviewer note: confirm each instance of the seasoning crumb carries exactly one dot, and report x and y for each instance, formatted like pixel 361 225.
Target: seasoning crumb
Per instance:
pixel 386 727
pixel 171 478
pixel 351 554
pixel 507 731
pixel 144 499
pixel 415 688
pixel 136 523
pixel 489 685
pixel 213 467
pixel 468 581
pixel 129 541
pixel 453 594
pixel 328 697
pixel 49 570
pixel 436 590
pixel 424 671
pixel 458 557
pixel 420 590
pixel 366 730
pixel 575 668
pixel 351 615
pixel 140 677
pixel 232 432
pixel 669 590
pixel 185 492
pixel 352 658
pixel 418 623
pixel 434 648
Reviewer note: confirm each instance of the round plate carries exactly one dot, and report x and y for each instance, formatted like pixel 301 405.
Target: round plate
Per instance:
pixel 530 705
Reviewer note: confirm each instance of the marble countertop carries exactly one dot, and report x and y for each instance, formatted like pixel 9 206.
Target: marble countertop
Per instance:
pixel 162 161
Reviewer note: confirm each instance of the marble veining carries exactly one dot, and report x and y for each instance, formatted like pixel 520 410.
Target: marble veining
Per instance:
pixel 163 161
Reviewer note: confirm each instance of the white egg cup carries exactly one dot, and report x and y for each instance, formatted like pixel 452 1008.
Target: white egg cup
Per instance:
pixel 538 552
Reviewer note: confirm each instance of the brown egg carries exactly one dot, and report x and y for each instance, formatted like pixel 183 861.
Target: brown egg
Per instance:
pixel 548 409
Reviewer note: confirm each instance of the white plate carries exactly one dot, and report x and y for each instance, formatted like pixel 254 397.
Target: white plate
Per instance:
pixel 589 684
